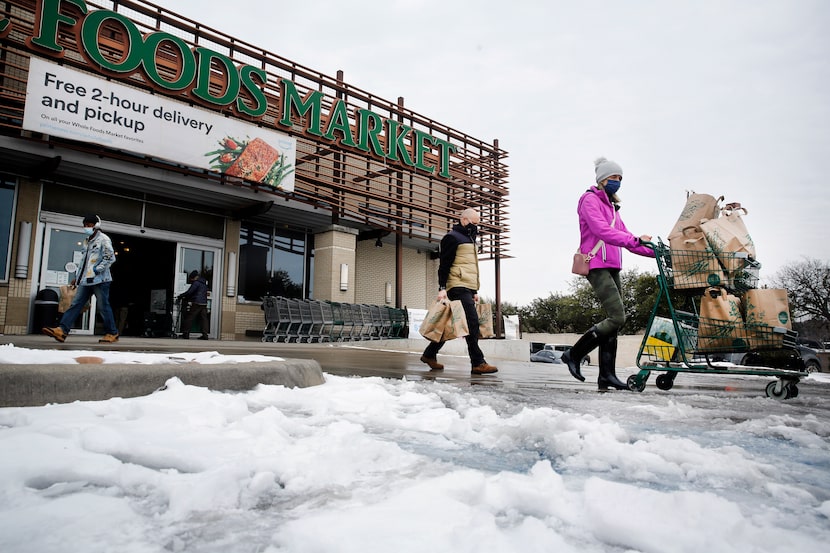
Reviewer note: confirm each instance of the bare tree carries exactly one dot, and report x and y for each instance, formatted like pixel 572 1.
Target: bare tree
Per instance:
pixel 808 288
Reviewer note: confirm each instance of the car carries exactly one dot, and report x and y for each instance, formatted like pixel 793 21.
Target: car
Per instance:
pixel 815 344
pixel 802 357
pixel 559 349
pixel 544 356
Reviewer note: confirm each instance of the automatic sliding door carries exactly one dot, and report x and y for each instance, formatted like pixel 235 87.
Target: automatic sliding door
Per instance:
pixel 60 264
pixel 204 260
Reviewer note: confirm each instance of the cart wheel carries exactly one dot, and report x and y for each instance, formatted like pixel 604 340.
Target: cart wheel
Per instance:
pixel 634 385
pixel 665 381
pixel 782 394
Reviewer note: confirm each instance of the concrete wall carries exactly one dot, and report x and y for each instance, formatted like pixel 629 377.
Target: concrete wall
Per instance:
pixel 627 346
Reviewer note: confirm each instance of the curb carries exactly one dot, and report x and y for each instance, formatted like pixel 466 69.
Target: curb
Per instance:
pixel 34 385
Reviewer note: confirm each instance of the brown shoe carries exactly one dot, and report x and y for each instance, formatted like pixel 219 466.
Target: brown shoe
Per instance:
pixel 57 333
pixel 484 368
pixel 108 339
pixel 433 363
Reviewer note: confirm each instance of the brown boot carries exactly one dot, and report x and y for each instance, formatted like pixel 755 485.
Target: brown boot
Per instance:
pixel 433 363
pixel 108 339
pixel 57 333
pixel 484 368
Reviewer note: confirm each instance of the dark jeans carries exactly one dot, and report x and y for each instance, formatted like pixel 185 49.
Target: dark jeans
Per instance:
pixel 466 297
pixel 195 310
pixel 607 287
pixel 102 294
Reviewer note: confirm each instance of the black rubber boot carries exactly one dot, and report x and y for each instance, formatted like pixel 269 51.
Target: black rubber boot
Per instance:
pixel 607 371
pixel 582 347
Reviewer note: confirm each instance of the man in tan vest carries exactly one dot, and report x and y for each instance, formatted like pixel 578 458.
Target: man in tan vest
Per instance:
pixel 458 280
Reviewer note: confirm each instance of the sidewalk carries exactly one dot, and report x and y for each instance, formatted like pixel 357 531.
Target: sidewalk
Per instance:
pixel 301 365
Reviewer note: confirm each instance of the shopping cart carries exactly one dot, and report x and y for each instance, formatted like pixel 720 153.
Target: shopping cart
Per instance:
pixel 679 340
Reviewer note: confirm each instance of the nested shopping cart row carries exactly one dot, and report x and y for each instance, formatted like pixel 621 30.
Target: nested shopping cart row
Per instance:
pixel 296 320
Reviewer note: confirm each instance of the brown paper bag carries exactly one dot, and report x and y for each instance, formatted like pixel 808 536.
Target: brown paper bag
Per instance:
pixel 694 264
pixel 765 309
pixel 485 320
pixel 767 306
pixel 437 317
pixel 727 236
pixel 698 206
pixel 456 327
pixel 67 295
pixel 721 325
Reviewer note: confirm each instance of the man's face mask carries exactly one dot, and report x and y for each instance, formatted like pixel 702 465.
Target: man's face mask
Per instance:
pixel 88 231
pixel 471 229
pixel 611 186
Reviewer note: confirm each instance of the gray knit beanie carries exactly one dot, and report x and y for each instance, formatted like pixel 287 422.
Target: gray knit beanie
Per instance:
pixel 605 168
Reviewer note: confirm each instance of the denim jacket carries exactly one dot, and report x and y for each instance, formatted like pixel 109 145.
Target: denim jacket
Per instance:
pixel 97 256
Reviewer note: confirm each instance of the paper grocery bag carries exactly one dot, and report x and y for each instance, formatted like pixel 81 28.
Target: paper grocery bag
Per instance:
pixel 67 296
pixel 437 317
pixel 698 206
pixel 727 236
pixel 768 306
pixel 485 320
pixel 694 264
pixel 764 310
pixel 456 327
pixel 721 325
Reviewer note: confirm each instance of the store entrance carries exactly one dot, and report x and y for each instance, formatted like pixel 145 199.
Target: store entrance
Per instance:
pixel 142 293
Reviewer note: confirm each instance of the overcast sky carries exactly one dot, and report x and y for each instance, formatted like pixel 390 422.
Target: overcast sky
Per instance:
pixel 726 97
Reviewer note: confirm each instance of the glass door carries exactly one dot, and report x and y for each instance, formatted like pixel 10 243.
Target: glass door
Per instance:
pixel 190 258
pixel 59 266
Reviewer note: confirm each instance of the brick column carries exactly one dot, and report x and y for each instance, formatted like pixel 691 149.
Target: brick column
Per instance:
pixel 334 246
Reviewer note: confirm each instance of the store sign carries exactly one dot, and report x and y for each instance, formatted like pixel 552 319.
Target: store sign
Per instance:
pixel 241 91
pixel 75 105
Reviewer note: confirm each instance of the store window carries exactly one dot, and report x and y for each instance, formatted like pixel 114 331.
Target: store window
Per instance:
pixel 7 188
pixel 272 261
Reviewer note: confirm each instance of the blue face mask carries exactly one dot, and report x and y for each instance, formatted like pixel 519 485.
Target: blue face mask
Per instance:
pixel 611 186
pixel 88 231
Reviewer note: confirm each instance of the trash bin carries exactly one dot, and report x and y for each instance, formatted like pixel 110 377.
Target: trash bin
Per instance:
pixel 46 310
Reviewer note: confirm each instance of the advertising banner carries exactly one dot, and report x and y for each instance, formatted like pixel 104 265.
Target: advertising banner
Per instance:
pixel 70 104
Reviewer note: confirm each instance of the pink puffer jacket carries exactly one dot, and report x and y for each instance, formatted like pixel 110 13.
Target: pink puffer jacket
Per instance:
pixel 596 212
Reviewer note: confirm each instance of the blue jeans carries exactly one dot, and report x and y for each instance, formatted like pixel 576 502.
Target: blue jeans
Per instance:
pixel 102 294
pixel 466 298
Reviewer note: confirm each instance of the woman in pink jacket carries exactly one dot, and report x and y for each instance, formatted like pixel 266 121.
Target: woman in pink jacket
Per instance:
pixel 599 220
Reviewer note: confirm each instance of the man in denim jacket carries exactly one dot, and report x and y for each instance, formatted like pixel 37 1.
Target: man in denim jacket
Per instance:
pixel 94 277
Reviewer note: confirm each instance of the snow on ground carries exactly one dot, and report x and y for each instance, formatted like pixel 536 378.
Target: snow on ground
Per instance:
pixel 377 465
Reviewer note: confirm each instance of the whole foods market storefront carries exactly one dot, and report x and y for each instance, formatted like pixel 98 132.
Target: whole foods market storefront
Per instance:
pixel 201 152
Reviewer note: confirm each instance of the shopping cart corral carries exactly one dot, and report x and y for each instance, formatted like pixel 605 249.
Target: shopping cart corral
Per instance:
pixel 310 321
pixel 678 339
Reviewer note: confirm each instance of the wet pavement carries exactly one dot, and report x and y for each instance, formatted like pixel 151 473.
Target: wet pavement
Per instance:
pixel 385 360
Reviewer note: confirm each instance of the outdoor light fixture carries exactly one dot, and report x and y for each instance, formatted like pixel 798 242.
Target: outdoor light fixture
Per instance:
pixel 388 292
pixel 231 274
pixel 344 277
pixel 24 237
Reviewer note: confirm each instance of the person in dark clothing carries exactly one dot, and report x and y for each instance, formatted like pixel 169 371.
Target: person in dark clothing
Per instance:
pixel 458 280
pixel 197 296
